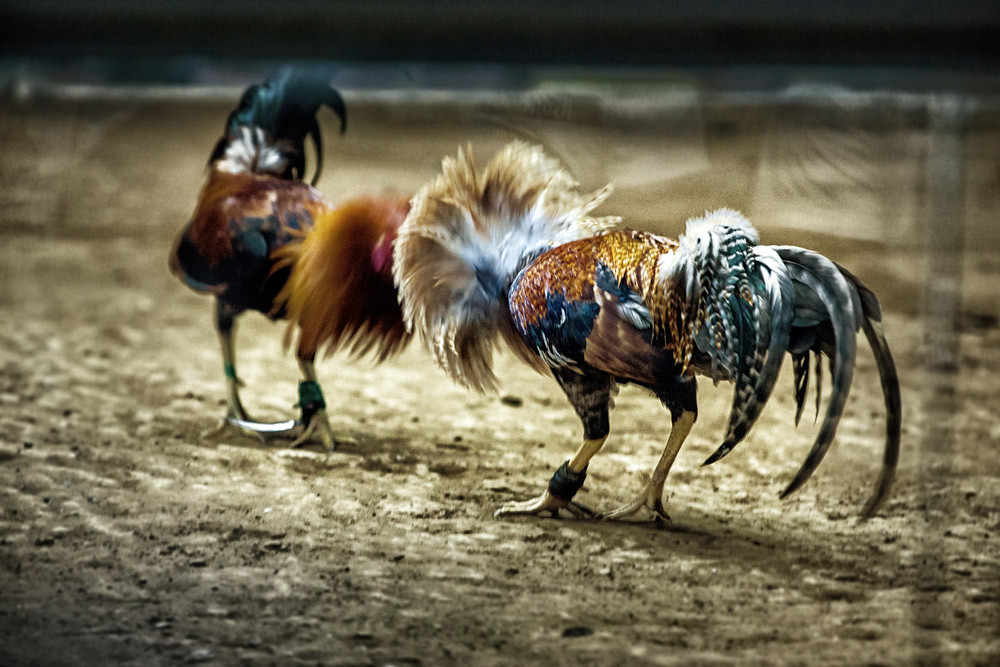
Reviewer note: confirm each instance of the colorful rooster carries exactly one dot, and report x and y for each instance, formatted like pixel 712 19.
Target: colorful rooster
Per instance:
pixel 508 253
pixel 262 239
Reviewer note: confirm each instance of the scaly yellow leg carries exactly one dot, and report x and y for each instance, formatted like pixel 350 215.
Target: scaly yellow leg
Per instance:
pixel 234 406
pixel 564 484
pixel 652 496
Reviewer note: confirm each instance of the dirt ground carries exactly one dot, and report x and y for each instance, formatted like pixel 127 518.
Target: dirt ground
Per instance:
pixel 127 538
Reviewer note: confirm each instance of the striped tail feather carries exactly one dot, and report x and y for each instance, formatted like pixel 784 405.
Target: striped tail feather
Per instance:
pixel 894 412
pixel 712 268
pixel 467 236
pixel 749 402
pixel 800 366
pixel 806 292
pixel 871 324
pixel 730 287
pixel 820 285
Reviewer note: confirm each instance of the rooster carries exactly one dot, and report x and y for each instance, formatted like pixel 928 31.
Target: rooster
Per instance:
pixel 511 253
pixel 262 239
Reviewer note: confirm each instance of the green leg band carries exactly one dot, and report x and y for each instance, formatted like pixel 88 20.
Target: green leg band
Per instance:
pixel 230 371
pixel 310 396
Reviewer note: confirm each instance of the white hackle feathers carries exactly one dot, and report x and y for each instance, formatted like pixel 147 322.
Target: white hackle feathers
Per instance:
pixel 466 238
pixel 253 152
pixel 712 267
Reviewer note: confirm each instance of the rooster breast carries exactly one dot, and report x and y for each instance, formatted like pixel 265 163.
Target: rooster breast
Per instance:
pixel 241 219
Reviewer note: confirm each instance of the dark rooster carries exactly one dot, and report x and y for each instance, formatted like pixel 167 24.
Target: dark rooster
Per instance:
pixel 262 239
pixel 488 255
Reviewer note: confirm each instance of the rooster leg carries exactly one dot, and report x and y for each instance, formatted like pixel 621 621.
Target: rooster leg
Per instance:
pixel 652 496
pixel 314 419
pixel 564 484
pixel 679 394
pixel 590 394
pixel 225 324
pixel 234 407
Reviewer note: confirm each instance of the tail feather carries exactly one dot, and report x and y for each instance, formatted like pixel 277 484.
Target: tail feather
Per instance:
pixel 871 317
pixel 819 384
pixel 867 316
pixel 867 304
pixel 466 238
pixel 893 405
pixel 827 283
pixel 339 294
pixel 732 290
pixel 800 365
pixel 775 328
pixel 713 266
pixel 815 306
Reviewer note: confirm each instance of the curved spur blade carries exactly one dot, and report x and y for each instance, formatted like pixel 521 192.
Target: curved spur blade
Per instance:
pixel 265 427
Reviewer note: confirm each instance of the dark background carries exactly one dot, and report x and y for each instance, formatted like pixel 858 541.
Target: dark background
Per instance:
pixel 961 34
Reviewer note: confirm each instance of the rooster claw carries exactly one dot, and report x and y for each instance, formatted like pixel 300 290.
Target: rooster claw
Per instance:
pixel 545 503
pixel 647 501
pixel 316 424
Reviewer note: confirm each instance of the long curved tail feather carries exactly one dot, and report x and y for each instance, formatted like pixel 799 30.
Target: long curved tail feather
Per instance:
pixel 777 299
pixel 872 326
pixel 824 280
pixel 814 306
pixel 894 412
pixel 468 235
pixel 728 294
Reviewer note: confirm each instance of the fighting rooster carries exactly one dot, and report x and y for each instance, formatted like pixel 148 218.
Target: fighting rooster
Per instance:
pixel 262 239
pixel 491 255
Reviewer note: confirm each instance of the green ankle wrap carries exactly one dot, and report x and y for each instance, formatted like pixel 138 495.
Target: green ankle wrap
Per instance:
pixel 311 396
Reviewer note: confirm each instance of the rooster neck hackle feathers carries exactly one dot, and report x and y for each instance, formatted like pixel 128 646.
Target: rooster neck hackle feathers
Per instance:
pixel 266 132
pixel 250 150
pixel 468 235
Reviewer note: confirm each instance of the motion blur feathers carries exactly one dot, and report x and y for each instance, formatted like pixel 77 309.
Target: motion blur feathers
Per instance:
pixel 511 253
pixel 468 235
pixel 262 239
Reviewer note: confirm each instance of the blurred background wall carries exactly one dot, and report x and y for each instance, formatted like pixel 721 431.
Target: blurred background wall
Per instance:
pixel 959 33
pixel 816 117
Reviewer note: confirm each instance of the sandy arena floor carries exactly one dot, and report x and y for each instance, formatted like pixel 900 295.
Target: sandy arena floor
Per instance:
pixel 126 538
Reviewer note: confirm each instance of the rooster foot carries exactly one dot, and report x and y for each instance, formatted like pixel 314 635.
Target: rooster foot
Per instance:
pixel 232 421
pixel 545 503
pixel 316 424
pixel 650 499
